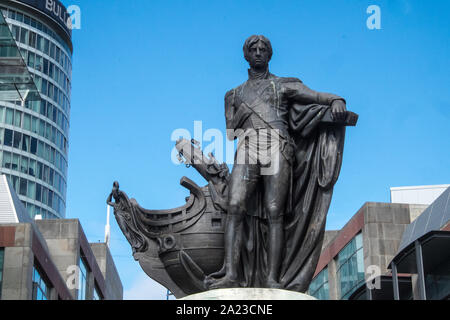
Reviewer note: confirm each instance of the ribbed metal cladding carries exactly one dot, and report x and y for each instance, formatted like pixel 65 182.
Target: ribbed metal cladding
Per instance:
pixel 34 136
pixel 434 218
pixel 7 211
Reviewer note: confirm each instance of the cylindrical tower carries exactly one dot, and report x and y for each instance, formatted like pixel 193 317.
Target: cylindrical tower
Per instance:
pixel 34 136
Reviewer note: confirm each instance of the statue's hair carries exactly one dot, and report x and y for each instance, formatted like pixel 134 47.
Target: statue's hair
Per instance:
pixel 252 40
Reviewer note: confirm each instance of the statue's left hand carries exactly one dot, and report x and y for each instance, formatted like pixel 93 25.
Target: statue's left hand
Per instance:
pixel 338 109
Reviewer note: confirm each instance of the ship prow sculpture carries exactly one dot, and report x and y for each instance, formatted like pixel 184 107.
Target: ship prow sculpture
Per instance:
pixel 262 225
pixel 179 247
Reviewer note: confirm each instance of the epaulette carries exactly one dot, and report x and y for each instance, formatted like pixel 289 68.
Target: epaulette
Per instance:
pixel 284 80
pixel 229 93
pixel 229 97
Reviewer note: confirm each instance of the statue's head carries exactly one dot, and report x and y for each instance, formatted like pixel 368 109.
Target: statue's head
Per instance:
pixel 115 187
pixel 257 51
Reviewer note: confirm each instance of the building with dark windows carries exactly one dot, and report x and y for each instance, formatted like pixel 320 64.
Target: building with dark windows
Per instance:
pixel 50 259
pixel 424 253
pixel 355 263
pixel 34 131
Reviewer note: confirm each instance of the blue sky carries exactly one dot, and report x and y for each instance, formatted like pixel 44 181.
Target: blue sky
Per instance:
pixel 142 69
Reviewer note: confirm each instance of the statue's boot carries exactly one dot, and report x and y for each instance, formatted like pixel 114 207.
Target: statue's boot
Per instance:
pixel 233 241
pixel 274 254
pixel 224 282
pixel 218 274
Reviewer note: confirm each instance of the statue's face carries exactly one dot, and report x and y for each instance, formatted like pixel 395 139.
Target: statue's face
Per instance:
pixel 258 55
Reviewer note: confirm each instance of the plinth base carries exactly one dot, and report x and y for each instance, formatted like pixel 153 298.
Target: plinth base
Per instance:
pixel 249 294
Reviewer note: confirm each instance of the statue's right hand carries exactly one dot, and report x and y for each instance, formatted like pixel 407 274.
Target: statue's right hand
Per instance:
pixel 338 109
pixel 108 200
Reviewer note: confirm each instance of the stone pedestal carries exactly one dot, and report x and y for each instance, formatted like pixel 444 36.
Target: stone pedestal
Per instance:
pixel 249 294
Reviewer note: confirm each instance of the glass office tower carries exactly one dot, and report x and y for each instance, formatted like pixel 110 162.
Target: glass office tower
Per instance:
pixel 34 133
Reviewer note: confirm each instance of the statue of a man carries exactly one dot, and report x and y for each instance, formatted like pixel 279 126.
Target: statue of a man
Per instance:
pixel 259 113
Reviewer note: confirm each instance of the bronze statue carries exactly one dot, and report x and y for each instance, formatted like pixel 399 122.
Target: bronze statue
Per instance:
pixel 263 224
pixel 268 107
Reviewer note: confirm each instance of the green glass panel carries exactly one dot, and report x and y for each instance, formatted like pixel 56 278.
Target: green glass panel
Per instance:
pixel 16 82
pixel 319 286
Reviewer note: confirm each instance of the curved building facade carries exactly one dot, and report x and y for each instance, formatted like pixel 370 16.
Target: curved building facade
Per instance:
pixel 34 135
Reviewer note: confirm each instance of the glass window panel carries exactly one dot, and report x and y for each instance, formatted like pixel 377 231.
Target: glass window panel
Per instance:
pixel 39 63
pixel 41 290
pixel 32 168
pixel 96 293
pixel 45 174
pixel 23 187
pixel 57 54
pixel 31 59
pixel 50 91
pixel 44 86
pixel 54 94
pixel 24 35
pixel 46 46
pixel 33 146
pixel 24 164
pixel 9 116
pixel 50 198
pixel 6 159
pixel 360 264
pixel 50 70
pixel 39 43
pixel 52 50
pixel 54 135
pixel 30 209
pixel 44 195
pixel 343 272
pixel 55 202
pixel 358 241
pixel 319 286
pixel 350 267
pixel 39 294
pixel 17 140
pixel 48 131
pixel 49 111
pixel 51 173
pixel 41 128
pixel 17 118
pixel 31 190
pixel 45 66
pixel 15 182
pixel 19 17
pixel 27 122
pixel 32 39
pixel 39 170
pixel 34 124
pixel 25 143
pixel 35 105
pixel 82 280
pixel 2 112
pixel 46 152
pixel 37 210
pixel 38 192
pixel 8 139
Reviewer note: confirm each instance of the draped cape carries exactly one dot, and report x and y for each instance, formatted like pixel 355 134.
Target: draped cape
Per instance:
pixel 316 167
